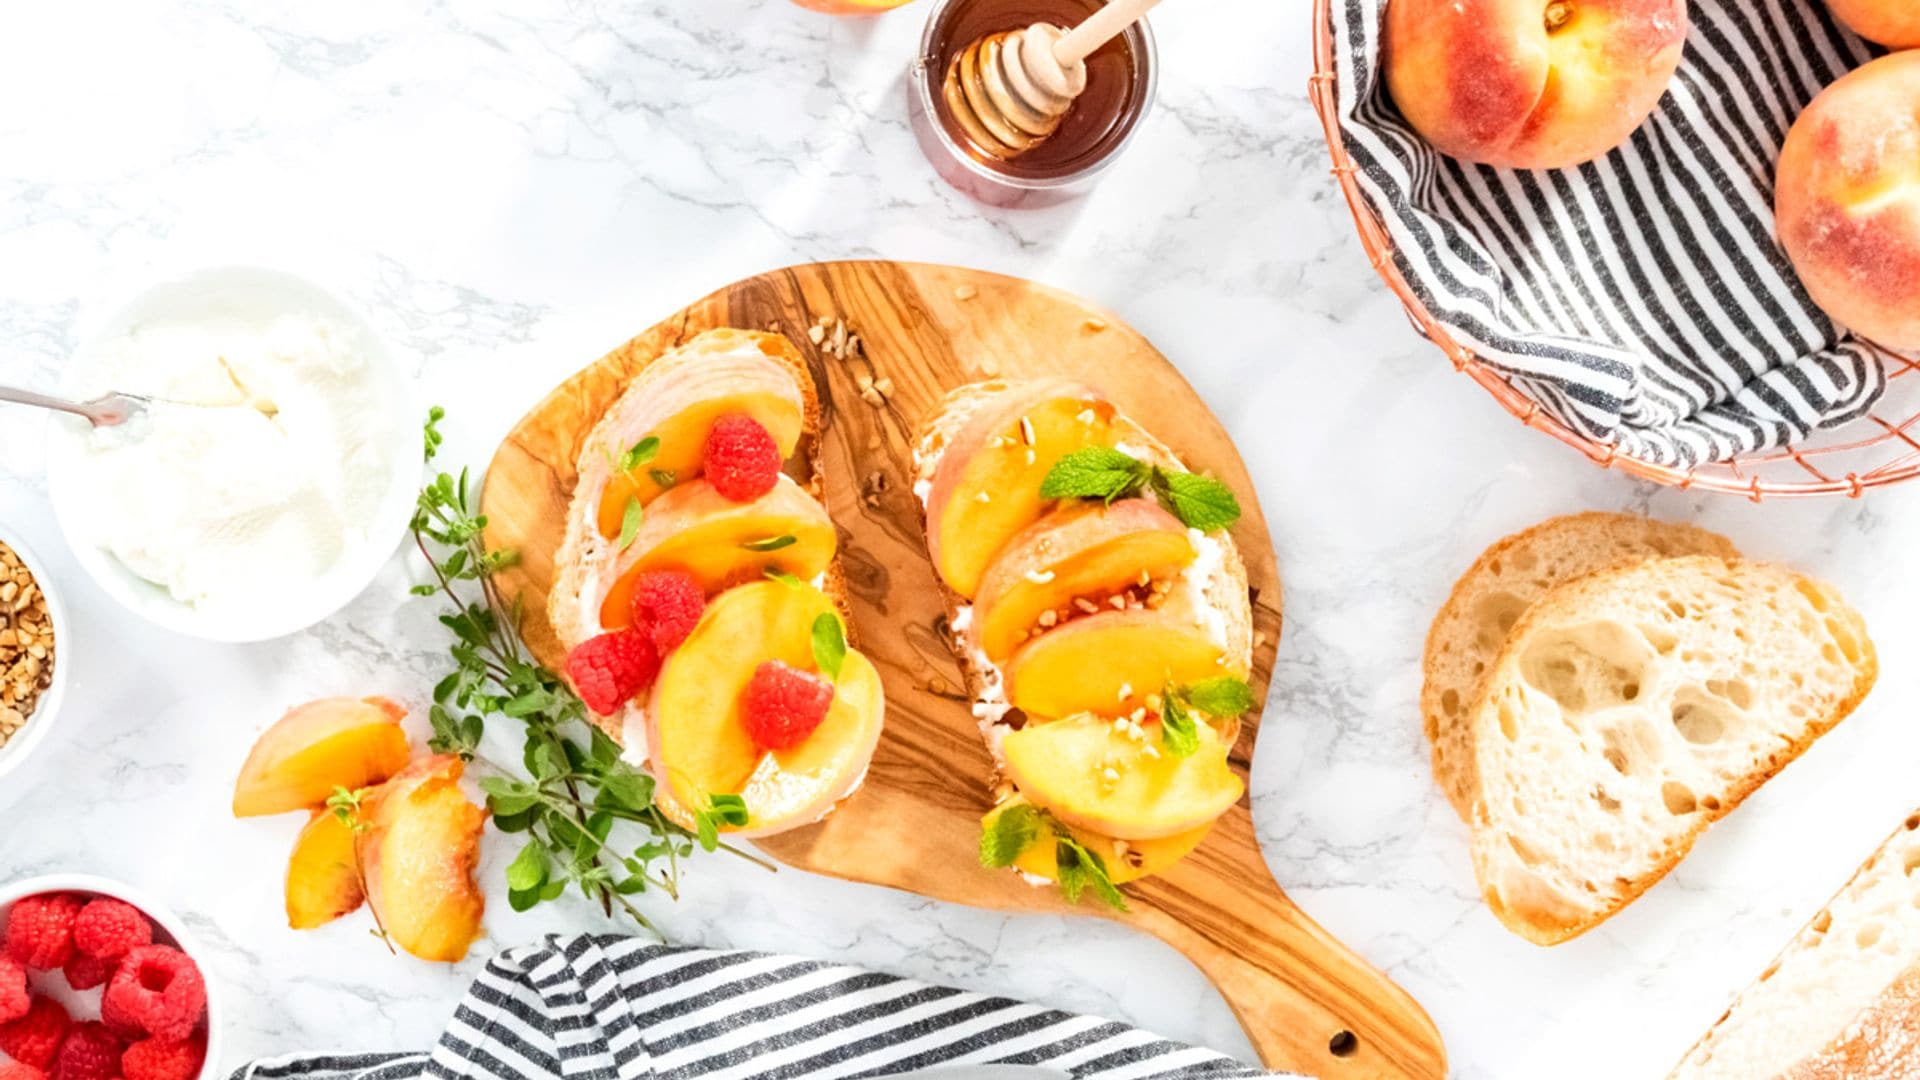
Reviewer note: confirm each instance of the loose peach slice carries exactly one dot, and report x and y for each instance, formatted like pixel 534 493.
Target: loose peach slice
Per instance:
pixel 986 487
pixel 1093 776
pixel 1078 551
pixel 695 529
pixel 323 877
pixel 1108 663
pixel 680 412
pixel 418 854
pixel 698 740
pixel 1125 860
pixel 316 747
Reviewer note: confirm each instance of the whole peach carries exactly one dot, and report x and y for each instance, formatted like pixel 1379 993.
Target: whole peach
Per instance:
pixel 1530 84
pixel 1894 23
pixel 1846 204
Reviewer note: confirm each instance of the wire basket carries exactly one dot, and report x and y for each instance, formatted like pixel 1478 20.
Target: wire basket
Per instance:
pixel 1880 448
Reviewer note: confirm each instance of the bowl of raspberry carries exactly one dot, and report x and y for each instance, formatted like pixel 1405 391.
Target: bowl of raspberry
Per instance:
pixel 98 982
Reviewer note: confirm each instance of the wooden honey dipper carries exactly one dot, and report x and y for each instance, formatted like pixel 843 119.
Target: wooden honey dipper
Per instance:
pixel 1009 91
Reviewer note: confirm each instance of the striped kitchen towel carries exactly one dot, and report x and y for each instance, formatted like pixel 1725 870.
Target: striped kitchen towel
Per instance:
pixel 618 1007
pixel 1640 298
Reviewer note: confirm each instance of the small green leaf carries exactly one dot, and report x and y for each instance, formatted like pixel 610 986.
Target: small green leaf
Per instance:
pixel 528 871
pixel 1200 502
pixel 507 796
pixel 639 454
pixel 730 809
pixel 629 790
pixel 1080 870
pixel 630 520
pixel 1009 833
pixel 1178 733
pixel 666 479
pixel 1225 697
pixel 784 578
pixel 1095 472
pixel 771 543
pixel 829 645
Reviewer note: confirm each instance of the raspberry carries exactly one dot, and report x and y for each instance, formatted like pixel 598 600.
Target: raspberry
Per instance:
pixel 14 1070
pixel 159 989
pixel 89 1052
pixel 784 705
pixel 608 670
pixel 107 928
pixel 35 1038
pixel 667 603
pixel 156 1059
pixel 40 930
pixel 84 972
pixel 742 461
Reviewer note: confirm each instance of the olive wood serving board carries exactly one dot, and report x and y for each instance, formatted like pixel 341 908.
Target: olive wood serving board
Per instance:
pixel 1307 1003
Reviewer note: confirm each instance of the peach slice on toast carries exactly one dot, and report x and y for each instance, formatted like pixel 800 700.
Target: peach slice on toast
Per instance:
pixel 323 876
pixel 720 543
pixel 697 737
pixel 1125 860
pixel 1088 550
pixel 316 747
pixel 417 855
pixel 1092 774
pixel 1109 663
pixel 676 400
pixel 985 487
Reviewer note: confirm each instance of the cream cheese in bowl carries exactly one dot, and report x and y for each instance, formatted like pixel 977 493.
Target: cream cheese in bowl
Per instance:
pixel 270 481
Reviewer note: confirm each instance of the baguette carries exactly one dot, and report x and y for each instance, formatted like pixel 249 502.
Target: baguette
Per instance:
pixel 1491 596
pixel 1630 709
pixel 1842 1000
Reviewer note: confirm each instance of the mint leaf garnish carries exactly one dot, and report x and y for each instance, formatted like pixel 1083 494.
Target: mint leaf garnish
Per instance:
pixel 1095 472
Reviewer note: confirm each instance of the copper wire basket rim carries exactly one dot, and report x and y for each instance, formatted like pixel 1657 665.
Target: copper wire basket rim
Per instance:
pixel 1731 477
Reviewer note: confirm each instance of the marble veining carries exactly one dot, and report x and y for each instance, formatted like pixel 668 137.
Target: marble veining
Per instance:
pixel 512 187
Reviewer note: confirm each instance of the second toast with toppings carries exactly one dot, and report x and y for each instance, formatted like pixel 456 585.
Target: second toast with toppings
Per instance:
pixel 1102 613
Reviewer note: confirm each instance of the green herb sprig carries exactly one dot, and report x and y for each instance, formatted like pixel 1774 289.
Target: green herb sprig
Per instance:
pixel 1224 697
pixel 1099 472
pixel 344 804
pixel 1017 828
pixel 573 788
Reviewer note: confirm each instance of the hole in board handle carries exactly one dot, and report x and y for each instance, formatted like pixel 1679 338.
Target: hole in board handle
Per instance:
pixel 1343 1044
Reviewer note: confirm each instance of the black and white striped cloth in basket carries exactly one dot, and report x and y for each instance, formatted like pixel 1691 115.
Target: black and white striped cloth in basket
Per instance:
pixel 617 1007
pixel 1640 298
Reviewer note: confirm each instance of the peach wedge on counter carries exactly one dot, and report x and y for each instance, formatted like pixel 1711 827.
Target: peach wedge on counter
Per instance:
pixel 986 486
pixel 316 747
pixel 417 853
pixel 323 876
pixel 719 543
pixel 1078 552
pixel 699 739
pixel 1095 774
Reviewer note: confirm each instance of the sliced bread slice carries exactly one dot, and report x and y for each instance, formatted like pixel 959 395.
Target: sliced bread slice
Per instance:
pixel 1631 708
pixel 1843 999
pixel 1491 596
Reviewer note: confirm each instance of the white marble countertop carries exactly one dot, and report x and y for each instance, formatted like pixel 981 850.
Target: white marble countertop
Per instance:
pixel 513 187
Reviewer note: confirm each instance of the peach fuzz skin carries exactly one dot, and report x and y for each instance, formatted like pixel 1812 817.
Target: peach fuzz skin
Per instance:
pixel 1847 200
pixel 1528 84
pixel 1894 23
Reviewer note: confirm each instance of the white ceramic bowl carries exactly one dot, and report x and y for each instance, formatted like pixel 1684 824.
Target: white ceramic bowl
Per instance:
pixel 46 709
pixel 168 930
pixel 250 296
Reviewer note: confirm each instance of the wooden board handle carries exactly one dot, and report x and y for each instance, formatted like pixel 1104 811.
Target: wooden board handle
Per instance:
pixel 1307 1003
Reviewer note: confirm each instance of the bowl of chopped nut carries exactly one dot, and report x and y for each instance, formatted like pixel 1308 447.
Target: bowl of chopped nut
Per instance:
pixel 33 678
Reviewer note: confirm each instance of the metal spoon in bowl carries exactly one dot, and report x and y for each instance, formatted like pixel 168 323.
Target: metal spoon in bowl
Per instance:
pixel 112 410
